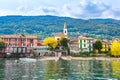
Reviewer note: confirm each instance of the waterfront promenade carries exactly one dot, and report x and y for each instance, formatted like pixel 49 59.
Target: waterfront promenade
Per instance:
pixel 78 58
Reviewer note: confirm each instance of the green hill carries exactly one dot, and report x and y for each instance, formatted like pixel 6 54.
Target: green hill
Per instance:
pixel 45 26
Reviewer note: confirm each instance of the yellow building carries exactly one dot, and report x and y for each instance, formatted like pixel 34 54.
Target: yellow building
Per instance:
pixel 105 46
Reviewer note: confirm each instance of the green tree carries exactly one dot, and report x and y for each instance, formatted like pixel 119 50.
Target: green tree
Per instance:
pixel 64 43
pixel 98 45
pixel 2 45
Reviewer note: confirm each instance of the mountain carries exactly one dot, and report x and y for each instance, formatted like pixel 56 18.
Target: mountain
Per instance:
pixel 45 26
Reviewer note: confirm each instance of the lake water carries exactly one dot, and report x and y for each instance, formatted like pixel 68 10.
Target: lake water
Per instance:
pixel 59 70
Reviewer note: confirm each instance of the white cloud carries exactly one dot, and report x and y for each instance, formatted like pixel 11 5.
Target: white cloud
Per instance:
pixel 42 10
pixel 80 9
pixel 4 12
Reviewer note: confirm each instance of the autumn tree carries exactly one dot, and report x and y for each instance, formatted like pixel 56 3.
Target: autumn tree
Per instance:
pixel 51 42
pixel 98 45
pixel 115 49
pixel 2 45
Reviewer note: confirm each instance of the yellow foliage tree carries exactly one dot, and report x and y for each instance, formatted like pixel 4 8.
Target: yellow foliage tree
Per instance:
pixel 115 49
pixel 51 42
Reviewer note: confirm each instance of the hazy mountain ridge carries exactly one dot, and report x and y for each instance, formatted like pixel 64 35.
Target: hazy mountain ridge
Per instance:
pixel 45 26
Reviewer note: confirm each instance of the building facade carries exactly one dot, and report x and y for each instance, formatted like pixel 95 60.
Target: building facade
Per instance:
pixel 74 46
pixel 41 49
pixel 105 46
pixel 85 44
pixel 19 43
pixel 81 44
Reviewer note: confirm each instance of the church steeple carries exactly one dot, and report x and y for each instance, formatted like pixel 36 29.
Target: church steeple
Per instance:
pixel 65 29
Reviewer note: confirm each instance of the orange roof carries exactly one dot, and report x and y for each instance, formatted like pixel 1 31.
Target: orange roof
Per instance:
pixel 18 36
pixel 84 38
pixel 60 35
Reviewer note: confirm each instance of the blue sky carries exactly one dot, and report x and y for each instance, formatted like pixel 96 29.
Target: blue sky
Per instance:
pixel 85 9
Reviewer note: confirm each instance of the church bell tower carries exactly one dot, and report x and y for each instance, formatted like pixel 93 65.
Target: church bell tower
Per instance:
pixel 65 29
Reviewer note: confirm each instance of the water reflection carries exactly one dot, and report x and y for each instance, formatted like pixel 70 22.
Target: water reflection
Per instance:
pixel 60 70
pixel 2 65
pixel 12 70
pixel 116 68
pixel 56 70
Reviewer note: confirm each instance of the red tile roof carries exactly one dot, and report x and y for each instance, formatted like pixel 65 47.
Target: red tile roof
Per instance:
pixel 18 36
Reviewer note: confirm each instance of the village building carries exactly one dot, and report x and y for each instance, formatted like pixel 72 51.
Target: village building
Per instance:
pixel 81 44
pixel 74 46
pixel 85 44
pixel 105 46
pixel 41 49
pixel 19 43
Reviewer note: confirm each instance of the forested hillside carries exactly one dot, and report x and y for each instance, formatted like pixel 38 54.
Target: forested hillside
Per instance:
pixel 45 26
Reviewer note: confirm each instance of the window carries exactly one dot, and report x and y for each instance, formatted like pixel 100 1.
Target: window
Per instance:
pixel 84 45
pixel 13 45
pixel 16 45
pixel 80 46
pixel 31 45
pixel 16 39
pixel 23 40
pixel 9 39
pixel 26 39
pixel 31 40
pixel 84 40
pixel 22 44
pixel 22 49
pixel 89 41
pixel 80 41
pixel 58 39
